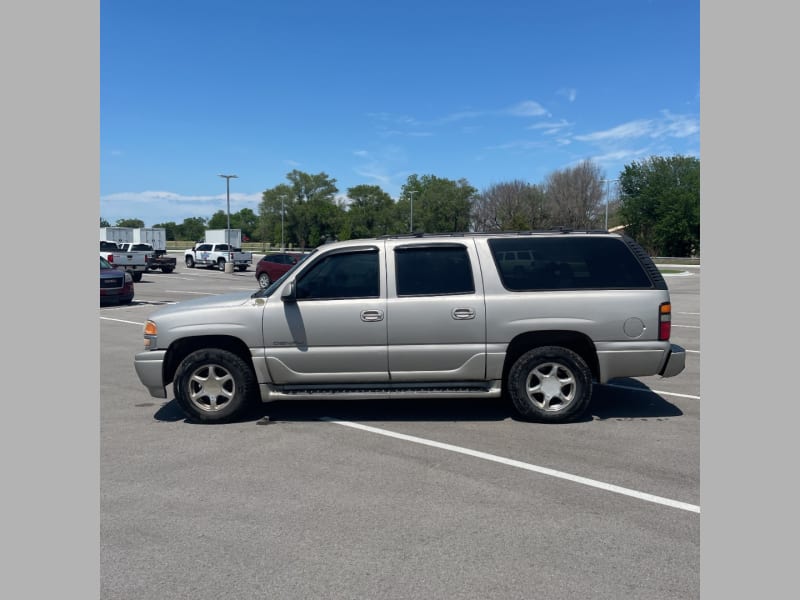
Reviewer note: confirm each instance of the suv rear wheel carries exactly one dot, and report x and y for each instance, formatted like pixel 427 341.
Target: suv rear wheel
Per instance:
pixel 550 384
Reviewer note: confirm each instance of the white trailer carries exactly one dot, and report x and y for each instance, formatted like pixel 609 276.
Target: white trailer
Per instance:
pixel 224 236
pixel 155 236
pixel 119 235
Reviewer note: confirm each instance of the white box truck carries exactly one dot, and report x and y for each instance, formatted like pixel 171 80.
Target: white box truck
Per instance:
pixel 155 236
pixel 119 235
pixel 224 236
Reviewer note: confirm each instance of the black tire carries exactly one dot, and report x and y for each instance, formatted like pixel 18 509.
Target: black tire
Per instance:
pixel 550 384
pixel 190 262
pixel 214 386
pixel 221 264
pixel 263 280
pixel 137 276
pixel 167 269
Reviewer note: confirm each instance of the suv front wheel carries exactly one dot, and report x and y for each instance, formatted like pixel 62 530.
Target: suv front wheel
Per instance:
pixel 550 384
pixel 213 385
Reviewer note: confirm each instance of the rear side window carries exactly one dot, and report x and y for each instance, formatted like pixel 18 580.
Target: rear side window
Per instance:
pixel 554 263
pixel 433 270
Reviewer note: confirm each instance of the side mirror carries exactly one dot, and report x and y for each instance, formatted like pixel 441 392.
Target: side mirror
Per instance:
pixel 289 293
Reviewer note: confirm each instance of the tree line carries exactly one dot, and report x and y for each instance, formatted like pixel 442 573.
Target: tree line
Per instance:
pixel 657 201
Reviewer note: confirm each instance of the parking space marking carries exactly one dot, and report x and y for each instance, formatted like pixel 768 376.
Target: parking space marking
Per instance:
pixel 522 465
pixel 636 389
pixel 187 292
pixel 122 321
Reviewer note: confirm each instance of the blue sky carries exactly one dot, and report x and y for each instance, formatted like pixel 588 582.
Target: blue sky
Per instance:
pixel 372 92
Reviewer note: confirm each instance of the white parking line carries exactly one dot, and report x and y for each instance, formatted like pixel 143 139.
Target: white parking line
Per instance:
pixel 521 465
pixel 122 321
pixel 661 393
pixel 185 292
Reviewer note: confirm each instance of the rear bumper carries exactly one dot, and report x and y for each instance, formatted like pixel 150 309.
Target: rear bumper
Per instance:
pixel 639 359
pixel 675 363
pixel 149 369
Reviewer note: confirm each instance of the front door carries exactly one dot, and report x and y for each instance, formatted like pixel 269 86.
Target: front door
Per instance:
pixel 335 331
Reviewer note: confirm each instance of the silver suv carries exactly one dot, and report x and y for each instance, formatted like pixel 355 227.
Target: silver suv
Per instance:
pixel 538 316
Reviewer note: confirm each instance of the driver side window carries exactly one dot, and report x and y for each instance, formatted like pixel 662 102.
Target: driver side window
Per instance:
pixel 340 276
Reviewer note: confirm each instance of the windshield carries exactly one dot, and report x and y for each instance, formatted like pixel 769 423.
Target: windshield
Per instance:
pixel 104 264
pixel 270 289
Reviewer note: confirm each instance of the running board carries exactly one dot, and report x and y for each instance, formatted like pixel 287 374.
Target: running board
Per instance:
pixel 380 391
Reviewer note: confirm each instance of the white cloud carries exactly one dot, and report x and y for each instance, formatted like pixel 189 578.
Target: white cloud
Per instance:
pixel 632 129
pixel 674 126
pixel 679 126
pixel 527 108
pixel 569 93
pixel 551 127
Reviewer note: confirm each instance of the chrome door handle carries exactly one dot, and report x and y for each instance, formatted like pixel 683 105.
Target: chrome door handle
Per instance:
pixel 372 315
pixel 463 314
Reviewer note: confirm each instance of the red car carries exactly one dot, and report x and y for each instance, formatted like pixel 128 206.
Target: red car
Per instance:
pixel 272 266
pixel 116 285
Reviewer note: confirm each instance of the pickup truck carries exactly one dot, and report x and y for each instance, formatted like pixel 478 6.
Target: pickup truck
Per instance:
pixel 217 255
pixel 135 262
pixel 536 317
pixel 155 260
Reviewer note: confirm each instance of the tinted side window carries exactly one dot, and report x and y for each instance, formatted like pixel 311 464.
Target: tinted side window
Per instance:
pixel 567 263
pixel 342 275
pixel 428 270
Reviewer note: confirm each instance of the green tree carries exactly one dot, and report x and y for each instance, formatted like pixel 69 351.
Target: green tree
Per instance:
pixel 275 204
pixel 439 205
pixel 370 214
pixel 170 229
pixel 315 216
pixel 135 223
pixel 192 228
pixel 104 223
pixel 660 204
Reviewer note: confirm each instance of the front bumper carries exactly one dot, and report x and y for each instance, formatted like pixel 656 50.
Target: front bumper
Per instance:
pixel 149 367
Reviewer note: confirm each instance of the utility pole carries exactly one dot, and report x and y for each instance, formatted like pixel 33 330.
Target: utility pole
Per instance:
pixel 283 212
pixel 411 227
pixel 228 230
pixel 608 193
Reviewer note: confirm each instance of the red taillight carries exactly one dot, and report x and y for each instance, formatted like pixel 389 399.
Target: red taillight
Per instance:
pixel 110 258
pixel 664 321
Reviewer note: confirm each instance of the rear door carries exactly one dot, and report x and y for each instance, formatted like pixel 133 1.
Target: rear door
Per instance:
pixel 437 315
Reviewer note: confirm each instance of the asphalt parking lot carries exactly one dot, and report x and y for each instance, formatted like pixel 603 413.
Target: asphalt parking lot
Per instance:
pixel 423 499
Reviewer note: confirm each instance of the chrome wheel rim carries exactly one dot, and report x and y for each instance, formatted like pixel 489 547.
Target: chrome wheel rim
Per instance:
pixel 211 388
pixel 551 386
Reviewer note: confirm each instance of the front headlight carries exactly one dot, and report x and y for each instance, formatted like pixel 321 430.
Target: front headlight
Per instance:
pixel 128 277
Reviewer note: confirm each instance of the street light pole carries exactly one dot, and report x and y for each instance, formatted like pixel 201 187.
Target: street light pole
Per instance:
pixel 411 227
pixel 608 193
pixel 283 212
pixel 228 193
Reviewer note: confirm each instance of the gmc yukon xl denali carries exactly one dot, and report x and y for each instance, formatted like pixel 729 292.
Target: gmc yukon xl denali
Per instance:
pixel 537 316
